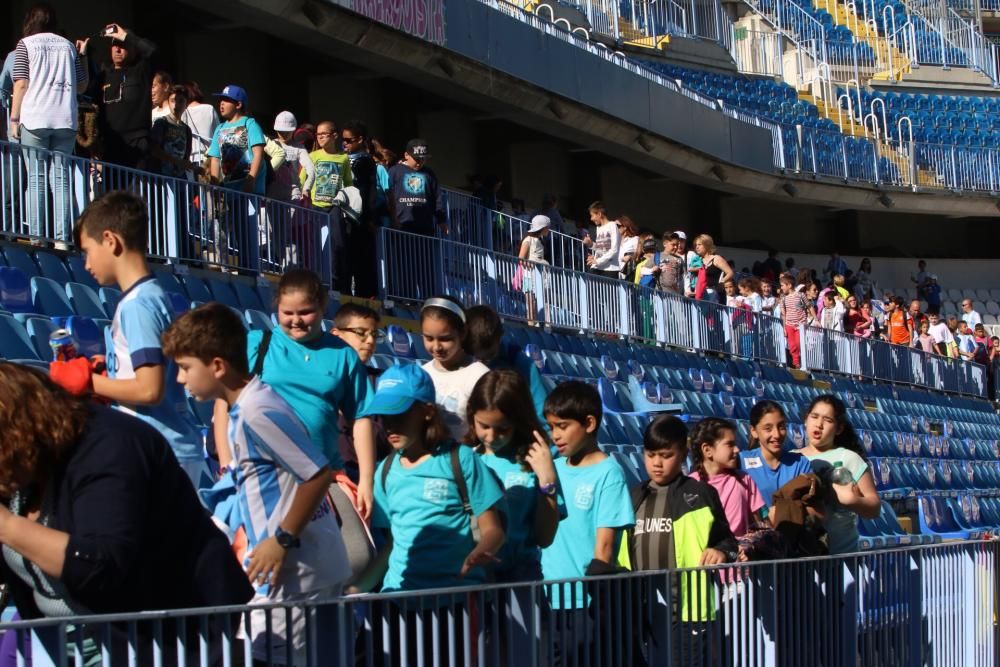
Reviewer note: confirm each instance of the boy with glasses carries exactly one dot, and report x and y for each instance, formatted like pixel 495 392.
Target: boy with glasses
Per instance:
pixel 333 168
pixel 970 316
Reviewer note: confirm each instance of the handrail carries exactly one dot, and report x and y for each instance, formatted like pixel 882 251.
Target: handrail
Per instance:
pixel 414 266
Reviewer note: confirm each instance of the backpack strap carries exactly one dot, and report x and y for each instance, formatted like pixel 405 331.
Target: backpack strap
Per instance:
pixel 463 489
pixel 385 467
pixel 265 344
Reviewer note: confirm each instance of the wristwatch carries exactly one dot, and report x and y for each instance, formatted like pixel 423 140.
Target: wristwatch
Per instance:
pixel 286 539
pixel 548 489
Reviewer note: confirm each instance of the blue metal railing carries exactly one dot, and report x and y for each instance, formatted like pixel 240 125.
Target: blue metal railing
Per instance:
pixel 413 267
pixel 929 605
pixel 43 192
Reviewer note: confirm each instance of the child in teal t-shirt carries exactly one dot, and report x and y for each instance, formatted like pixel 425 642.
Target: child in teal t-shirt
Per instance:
pixel 418 497
pixel 597 497
pixel 504 429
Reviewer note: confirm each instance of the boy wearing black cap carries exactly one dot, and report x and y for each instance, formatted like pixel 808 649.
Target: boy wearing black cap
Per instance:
pixel 416 201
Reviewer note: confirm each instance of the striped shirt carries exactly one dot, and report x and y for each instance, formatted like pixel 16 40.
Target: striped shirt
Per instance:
pixel 653 536
pixel 273 454
pixel 793 308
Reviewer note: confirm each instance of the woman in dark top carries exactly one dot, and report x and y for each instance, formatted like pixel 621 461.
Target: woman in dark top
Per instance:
pixel 96 514
pixel 717 269
pixel 122 89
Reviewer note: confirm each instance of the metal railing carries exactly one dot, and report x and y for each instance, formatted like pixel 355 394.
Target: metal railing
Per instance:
pixel 43 192
pixel 469 221
pixel 414 267
pixel 931 605
pixel 838 352
pixel 757 52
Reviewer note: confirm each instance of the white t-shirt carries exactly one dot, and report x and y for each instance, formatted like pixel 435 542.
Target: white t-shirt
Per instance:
pixel 972 318
pixel 159 112
pixel 52 67
pixel 607 242
pixel 941 333
pixel 202 119
pixel 628 246
pixel 453 389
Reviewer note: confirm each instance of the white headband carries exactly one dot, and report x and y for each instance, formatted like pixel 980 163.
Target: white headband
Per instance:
pixel 448 305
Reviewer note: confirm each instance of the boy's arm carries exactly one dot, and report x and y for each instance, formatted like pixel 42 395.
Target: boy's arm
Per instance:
pixel 220 432
pixel 604 545
pixel 146 388
pixel 268 557
pixel 250 182
pixel 491 538
pixel 364 448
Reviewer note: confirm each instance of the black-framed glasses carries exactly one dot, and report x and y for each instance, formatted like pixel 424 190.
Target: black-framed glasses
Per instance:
pixel 364 334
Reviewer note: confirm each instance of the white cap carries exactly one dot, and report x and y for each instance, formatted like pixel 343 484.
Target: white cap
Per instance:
pixel 538 223
pixel 285 122
pixel 681 235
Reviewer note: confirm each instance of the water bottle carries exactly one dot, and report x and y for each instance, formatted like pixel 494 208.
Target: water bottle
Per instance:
pixel 841 476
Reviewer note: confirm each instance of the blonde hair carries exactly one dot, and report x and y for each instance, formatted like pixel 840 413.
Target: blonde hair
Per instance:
pixel 706 241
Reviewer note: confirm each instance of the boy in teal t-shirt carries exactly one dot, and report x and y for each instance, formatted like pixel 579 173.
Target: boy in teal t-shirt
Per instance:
pixel 597 497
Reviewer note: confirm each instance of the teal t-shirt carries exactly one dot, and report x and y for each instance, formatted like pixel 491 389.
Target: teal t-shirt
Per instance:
pixel 841 525
pixel 519 551
pixel 431 533
pixel 596 497
pixel 317 378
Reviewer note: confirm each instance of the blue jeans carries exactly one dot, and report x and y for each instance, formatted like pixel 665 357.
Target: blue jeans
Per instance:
pixel 61 142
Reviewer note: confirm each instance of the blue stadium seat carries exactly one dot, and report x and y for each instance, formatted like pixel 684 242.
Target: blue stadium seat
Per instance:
pixel 222 292
pixel 178 302
pixel 169 282
pixel 49 298
pixel 15 291
pixel 196 289
pixel 247 297
pixel 39 331
pixel 14 341
pixel 257 320
pixel 398 341
pixel 109 299
pixel 20 259
pixel 88 334
pixel 79 272
pixel 84 300
pixel 266 293
pixel 52 267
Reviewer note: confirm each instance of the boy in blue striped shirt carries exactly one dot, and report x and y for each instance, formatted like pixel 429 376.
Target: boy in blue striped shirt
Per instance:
pixel 295 549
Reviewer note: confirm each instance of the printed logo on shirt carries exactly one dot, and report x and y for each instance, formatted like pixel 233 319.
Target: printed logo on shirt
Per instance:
pixel 415 184
pixel 327 183
pixel 584 496
pixel 690 499
pixel 752 463
pixel 517 479
pixel 654 525
pixel 436 491
pixel 233 144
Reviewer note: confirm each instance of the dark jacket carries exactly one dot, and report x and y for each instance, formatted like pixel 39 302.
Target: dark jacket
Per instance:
pixel 139 538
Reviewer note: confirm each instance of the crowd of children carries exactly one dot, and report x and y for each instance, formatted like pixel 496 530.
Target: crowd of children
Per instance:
pixel 465 474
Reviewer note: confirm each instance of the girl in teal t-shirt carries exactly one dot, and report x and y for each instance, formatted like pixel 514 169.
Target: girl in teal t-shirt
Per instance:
pixel 505 431
pixel 418 494
pixel 833 445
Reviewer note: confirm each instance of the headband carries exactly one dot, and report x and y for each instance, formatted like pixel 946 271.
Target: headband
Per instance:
pixel 450 306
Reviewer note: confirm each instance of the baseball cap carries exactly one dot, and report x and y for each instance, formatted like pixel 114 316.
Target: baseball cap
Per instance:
pixel 538 223
pixel 418 149
pixel 285 122
pixel 681 235
pixel 234 93
pixel 399 388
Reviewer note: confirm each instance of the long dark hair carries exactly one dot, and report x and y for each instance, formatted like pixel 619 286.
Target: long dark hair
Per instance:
pixel 708 430
pixel 760 410
pixel 508 392
pixel 847 437
pixel 40 18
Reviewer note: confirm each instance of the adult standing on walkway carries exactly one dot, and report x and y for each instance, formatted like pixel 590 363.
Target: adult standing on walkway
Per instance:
pixel 48 71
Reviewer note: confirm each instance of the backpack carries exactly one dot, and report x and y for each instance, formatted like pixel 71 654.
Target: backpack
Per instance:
pixel 459 477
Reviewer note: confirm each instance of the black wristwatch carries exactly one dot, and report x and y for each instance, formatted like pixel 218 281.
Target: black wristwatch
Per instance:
pixel 286 539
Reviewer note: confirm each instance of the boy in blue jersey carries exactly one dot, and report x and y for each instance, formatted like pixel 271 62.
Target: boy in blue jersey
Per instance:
pixel 598 507
pixel 295 549
pixel 112 234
